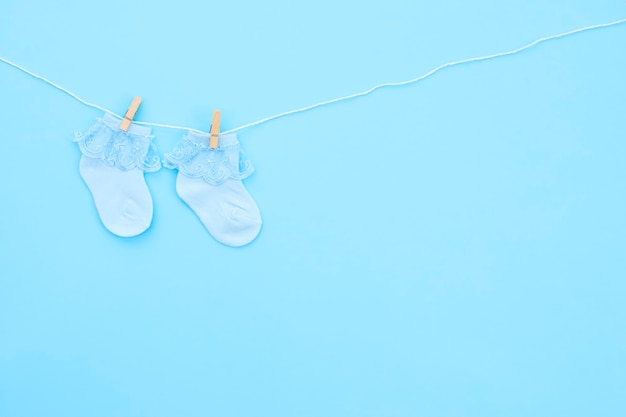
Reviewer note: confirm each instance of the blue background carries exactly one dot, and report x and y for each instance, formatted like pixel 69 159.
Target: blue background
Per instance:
pixel 450 248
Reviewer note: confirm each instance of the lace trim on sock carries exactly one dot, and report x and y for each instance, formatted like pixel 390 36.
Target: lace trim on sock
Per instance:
pixel 120 149
pixel 215 166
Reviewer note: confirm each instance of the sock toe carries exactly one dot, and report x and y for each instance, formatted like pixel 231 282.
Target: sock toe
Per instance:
pixel 133 220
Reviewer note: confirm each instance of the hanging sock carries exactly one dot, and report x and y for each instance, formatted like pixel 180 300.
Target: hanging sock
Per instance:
pixel 209 182
pixel 113 164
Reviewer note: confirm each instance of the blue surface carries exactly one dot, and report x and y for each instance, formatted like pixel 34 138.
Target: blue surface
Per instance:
pixel 451 248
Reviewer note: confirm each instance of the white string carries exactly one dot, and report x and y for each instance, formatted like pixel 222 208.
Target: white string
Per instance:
pixel 58 87
pixel 428 74
pixel 328 102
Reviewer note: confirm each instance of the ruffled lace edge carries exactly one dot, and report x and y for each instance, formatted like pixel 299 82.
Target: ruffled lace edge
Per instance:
pixel 144 154
pixel 186 152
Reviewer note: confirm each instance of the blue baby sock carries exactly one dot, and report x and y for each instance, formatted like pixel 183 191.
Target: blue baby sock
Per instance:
pixel 113 165
pixel 209 182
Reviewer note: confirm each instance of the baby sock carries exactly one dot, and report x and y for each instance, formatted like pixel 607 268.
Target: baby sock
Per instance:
pixel 209 182
pixel 113 165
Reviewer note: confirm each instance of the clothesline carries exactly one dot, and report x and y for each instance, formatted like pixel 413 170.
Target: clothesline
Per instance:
pixel 328 102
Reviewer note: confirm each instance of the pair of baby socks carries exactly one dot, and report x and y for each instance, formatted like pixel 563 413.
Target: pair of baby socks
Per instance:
pixel 113 164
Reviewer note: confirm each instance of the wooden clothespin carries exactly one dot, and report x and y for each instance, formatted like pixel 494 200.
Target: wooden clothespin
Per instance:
pixel 130 113
pixel 215 129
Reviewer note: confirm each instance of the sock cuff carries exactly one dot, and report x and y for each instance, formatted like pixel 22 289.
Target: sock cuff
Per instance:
pixel 193 158
pixel 116 148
